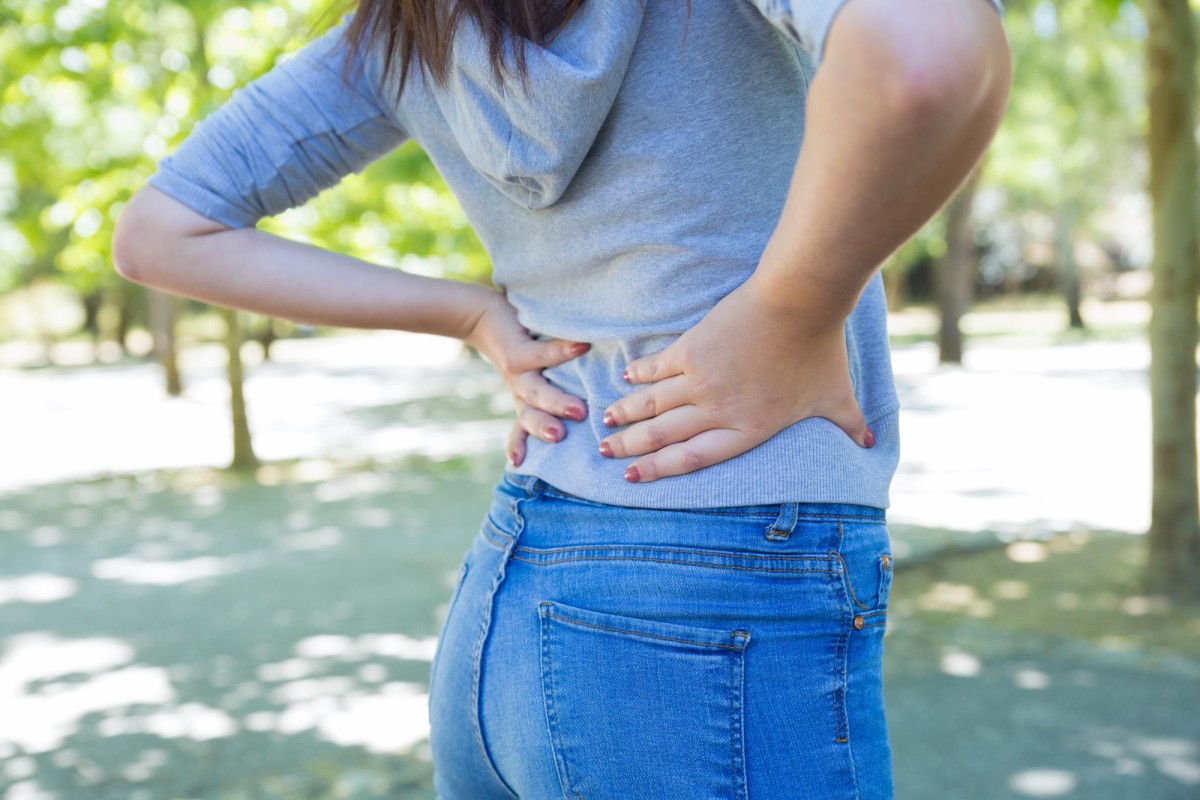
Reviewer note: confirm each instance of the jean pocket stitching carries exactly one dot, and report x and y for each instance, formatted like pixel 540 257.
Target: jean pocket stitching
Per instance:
pixel 556 618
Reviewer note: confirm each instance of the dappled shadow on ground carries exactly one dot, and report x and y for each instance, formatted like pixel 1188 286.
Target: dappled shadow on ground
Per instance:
pixel 191 635
pixel 1042 669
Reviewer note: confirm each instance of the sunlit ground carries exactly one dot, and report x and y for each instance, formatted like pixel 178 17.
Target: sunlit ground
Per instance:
pixel 206 637
pixel 1042 669
pixel 169 632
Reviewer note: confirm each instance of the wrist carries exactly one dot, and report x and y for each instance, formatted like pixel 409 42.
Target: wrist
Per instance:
pixel 799 301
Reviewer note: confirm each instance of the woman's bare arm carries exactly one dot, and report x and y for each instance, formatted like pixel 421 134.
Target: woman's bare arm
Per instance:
pixel 162 243
pixel 908 96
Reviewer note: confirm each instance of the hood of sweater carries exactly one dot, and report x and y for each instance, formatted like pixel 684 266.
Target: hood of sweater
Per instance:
pixel 530 141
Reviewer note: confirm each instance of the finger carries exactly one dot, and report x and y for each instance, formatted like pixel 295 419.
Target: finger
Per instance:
pixel 516 444
pixel 849 417
pixel 534 389
pixel 539 354
pixel 647 402
pixel 675 425
pixel 702 450
pixel 539 423
pixel 655 367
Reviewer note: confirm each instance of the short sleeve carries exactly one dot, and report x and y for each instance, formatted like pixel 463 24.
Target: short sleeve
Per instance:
pixel 283 138
pixel 807 22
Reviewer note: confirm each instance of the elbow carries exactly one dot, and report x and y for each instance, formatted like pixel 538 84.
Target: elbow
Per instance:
pixel 126 258
pixel 150 237
pixel 943 64
pixel 959 80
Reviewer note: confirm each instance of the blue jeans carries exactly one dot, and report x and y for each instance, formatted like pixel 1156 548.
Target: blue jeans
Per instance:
pixel 597 651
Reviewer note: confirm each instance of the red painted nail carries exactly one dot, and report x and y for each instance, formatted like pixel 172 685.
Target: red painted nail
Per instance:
pixel 609 420
pixel 605 450
pixel 553 433
pixel 574 413
pixel 625 375
pixel 579 348
pixel 870 438
pixel 632 475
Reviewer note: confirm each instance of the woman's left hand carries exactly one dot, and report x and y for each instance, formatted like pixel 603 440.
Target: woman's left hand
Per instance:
pixel 745 372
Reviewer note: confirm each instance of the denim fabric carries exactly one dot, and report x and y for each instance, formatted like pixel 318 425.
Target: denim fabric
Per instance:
pixel 597 651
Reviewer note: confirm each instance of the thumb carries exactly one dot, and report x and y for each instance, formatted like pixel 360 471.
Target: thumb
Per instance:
pixel 851 420
pixel 539 354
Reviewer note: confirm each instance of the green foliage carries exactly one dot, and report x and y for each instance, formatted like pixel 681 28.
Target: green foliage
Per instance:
pixel 1072 130
pixel 93 93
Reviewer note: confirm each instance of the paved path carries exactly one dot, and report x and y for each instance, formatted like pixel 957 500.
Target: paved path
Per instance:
pixel 1021 439
pixel 167 636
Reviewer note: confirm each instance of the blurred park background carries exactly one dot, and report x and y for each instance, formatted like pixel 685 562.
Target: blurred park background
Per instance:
pixel 227 541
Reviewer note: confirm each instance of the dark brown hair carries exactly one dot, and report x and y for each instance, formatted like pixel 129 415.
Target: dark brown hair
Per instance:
pixel 425 29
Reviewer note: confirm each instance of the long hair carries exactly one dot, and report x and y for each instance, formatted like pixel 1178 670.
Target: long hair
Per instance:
pixel 425 29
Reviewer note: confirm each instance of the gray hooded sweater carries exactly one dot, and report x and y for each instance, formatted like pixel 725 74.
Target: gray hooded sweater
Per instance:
pixel 631 187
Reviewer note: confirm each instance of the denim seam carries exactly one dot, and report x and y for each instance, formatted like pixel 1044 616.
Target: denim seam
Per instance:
pixel 700 551
pixel 737 731
pixel 543 562
pixel 838 695
pixel 570 621
pixel 560 757
pixel 849 585
pixel 669 561
pixel 478 655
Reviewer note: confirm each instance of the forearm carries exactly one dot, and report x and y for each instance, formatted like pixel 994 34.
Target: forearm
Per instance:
pixel 908 96
pixel 257 271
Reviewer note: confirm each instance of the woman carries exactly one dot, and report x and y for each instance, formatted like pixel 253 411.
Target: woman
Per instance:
pixel 680 588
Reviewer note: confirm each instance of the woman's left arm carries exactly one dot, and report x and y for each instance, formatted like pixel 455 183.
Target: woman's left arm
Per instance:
pixel 907 98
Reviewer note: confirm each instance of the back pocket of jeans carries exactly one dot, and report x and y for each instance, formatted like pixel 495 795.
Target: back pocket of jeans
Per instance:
pixel 642 708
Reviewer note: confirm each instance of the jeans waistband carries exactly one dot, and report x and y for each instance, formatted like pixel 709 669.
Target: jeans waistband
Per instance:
pixel 535 486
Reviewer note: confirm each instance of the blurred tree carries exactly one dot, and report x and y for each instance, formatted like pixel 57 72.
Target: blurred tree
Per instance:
pixel 92 94
pixel 1071 136
pixel 1174 536
pixel 954 272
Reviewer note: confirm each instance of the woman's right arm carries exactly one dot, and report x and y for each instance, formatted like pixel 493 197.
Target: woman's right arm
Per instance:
pixel 278 142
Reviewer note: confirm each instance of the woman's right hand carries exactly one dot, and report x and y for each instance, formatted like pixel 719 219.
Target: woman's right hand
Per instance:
pixel 520 359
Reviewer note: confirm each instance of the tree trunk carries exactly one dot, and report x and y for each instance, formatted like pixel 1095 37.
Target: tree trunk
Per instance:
pixel 1068 269
pixel 954 272
pixel 243 452
pixel 162 310
pixel 894 285
pixel 1174 536
pixel 91 310
pixel 125 293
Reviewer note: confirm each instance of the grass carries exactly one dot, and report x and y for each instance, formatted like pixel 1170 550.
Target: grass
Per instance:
pixel 1082 589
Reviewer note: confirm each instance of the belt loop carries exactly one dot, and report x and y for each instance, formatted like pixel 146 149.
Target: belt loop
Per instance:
pixel 781 529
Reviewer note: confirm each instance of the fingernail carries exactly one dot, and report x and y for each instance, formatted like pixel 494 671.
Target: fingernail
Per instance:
pixel 605 450
pixel 609 420
pixel 579 348
pixel 632 475
pixel 870 438
pixel 512 458
pixel 552 433
pixel 625 375
pixel 574 413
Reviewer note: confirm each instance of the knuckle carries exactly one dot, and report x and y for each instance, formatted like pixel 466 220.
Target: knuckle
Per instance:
pixel 656 439
pixel 650 404
pixel 693 459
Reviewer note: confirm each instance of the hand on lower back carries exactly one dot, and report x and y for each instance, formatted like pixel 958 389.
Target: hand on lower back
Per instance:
pixel 520 359
pixel 734 380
